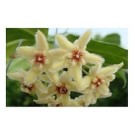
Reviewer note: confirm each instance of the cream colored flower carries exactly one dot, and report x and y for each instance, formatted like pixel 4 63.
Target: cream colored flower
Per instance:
pixel 59 90
pixel 38 56
pixel 37 87
pixel 98 83
pixel 76 55
pixel 52 85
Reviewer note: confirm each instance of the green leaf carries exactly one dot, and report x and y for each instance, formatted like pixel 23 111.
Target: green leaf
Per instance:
pixel 51 39
pixel 112 53
pixel 112 38
pixel 74 94
pixel 12 45
pixel 23 33
pixel 122 75
pixel 18 64
pixel 72 37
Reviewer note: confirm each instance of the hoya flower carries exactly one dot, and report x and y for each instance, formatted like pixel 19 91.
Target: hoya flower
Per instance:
pixel 98 81
pixel 38 57
pixel 76 55
pixel 59 90
pixel 82 100
pixel 78 101
pixel 53 84
pixel 36 87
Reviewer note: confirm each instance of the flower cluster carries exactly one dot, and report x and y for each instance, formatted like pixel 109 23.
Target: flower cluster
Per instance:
pixel 54 74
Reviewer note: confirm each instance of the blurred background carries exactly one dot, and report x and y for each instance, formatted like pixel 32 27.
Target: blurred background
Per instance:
pixel 123 32
pixel 119 87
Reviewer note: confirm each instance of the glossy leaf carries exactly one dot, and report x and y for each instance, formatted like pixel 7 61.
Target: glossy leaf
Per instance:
pixel 112 38
pixel 122 75
pixel 113 54
pixel 18 64
pixel 72 37
pixel 12 45
pixel 23 33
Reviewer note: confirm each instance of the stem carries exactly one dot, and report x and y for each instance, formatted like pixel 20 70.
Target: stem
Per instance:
pixel 11 60
pixel 56 31
pixel 85 71
pixel 87 66
pixel 20 43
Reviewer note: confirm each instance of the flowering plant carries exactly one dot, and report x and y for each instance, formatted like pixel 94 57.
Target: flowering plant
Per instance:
pixel 54 73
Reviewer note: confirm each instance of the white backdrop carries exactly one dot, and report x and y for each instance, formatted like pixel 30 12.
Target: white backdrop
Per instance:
pixel 67 14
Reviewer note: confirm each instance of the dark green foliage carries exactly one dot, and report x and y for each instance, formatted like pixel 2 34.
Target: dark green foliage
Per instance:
pixel 111 38
pixel 73 94
pixel 14 96
pixel 23 33
pixel 112 53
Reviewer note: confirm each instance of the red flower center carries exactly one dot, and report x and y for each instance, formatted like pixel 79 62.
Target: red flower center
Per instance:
pixel 61 89
pixel 97 82
pixel 58 105
pixel 39 58
pixel 30 87
pixel 76 55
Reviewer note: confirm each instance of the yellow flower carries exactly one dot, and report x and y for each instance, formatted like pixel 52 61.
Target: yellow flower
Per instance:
pixel 98 83
pixel 59 90
pixel 76 55
pixel 37 87
pixel 52 85
pixel 38 56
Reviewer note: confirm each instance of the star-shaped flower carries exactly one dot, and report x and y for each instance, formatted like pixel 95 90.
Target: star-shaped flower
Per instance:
pixel 36 87
pixel 37 56
pixel 59 90
pixel 55 73
pixel 98 81
pixel 76 55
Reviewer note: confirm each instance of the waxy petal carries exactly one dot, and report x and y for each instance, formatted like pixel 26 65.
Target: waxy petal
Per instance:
pixel 110 70
pixel 65 77
pixel 16 76
pixel 57 53
pixel 63 100
pixel 31 76
pixel 103 92
pixel 94 70
pixel 76 73
pixel 40 89
pixel 78 101
pixel 44 77
pixel 90 99
pixel 41 41
pixel 110 78
pixel 57 65
pixel 25 51
pixel 93 58
pixel 85 82
pixel 45 100
pixel 53 77
pixel 83 40
pixel 67 80
pixel 64 43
